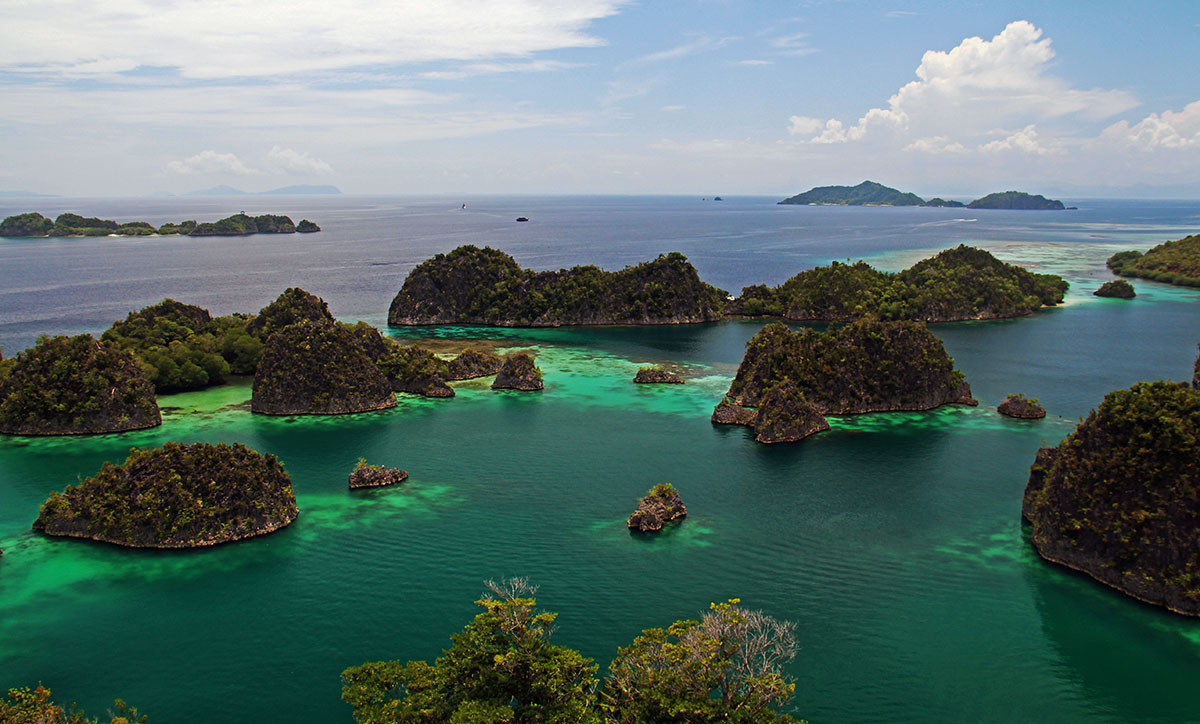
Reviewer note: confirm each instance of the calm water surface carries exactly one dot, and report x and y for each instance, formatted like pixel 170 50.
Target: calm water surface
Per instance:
pixel 893 540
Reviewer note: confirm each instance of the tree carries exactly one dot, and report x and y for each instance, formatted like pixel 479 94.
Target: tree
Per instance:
pixel 26 706
pixel 726 667
pixel 500 668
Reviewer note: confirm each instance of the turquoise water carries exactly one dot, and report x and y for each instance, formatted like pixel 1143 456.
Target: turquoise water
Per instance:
pixel 893 540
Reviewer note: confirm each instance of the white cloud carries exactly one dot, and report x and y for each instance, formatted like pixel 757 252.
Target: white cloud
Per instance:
pixel 255 38
pixel 755 61
pixel 699 45
pixel 804 125
pixel 936 144
pixel 210 162
pixel 1023 141
pixel 1168 130
pixel 297 162
pixel 794 44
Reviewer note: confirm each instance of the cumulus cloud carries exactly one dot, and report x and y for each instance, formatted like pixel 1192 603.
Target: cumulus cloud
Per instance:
pixel 297 162
pixel 1023 141
pixel 1172 130
pixel 936 144
pixel 210 162
pixel 254 38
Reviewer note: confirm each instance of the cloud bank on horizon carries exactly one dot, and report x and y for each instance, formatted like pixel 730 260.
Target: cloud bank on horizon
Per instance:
pixel 592 96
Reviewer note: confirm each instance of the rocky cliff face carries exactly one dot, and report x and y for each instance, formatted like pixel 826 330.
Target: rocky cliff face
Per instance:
pixel 519 373
pixel 73 386
pixel 1108 504
pixel 176 496
pixel 318 368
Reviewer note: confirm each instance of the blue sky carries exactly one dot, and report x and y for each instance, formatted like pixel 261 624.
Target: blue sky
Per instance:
pixel 130 97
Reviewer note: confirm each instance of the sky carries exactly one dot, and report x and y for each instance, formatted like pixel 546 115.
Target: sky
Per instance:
pixel 938 97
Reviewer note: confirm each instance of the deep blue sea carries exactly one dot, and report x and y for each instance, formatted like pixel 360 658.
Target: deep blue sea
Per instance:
pixel 893 541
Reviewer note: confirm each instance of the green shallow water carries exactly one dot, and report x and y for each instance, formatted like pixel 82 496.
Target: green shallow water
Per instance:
pixel 893 540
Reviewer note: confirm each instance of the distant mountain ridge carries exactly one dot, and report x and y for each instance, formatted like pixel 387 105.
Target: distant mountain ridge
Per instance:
pixel 870 193
pixel 298 190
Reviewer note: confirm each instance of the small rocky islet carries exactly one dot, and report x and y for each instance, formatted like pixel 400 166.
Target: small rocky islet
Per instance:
pixel 661 505
pixel 365 475
pixel 1117 289
pixel 1021 407
pixel 519 373
pixel 656 376
pixel 175 496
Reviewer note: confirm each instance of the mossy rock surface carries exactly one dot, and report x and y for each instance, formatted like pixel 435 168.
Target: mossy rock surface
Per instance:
pixel 73 386
pixel 317 368
pixel 294 305
pixel 472 364
pixel 784 415
pixel 415 370
pixel 176 496
pixel 519 373
pixel 1117 499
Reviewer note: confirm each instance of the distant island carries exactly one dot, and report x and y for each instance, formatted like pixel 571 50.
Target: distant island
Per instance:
pixel 298 190
pixel 1173 262
pixel 870 193
pixel 71 225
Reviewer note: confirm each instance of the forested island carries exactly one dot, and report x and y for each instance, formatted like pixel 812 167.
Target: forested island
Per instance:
pixel 1117 499
pixel 1173 262
pixel 870 193
pixel 71 225
pixel 470 285
pixel 176 496
pixel 788 381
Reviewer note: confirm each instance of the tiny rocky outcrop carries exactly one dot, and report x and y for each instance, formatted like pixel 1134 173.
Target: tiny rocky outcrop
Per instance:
pixel 661 505
pixel 1017 405
pixel 176 496
pixel 1117 499
pixel 519 373
pixel 415 370
pixel 374 476
pixel 307 227
pixel 317 368
pixel 1118 288
pixel 73 386
pixel 471 364
pixel 657 375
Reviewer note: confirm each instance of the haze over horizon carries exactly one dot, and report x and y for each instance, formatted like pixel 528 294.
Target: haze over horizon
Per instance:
pixel 600 96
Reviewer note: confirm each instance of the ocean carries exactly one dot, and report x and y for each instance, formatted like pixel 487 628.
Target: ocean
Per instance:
pixel 894 541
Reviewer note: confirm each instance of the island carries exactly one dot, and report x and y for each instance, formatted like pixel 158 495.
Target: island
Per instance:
pixel 292 306
pixel 471 364
pixel 318 368
pixel 1106 503
pixel 519 373
pixel 938 202
pixel 374 476
pixel 485 286
pixel 72 225
pixel 867 193
pixel 1016 200
pixel 963 283
pixel 787 381
pixel 656 375
pixel 1173 262
pixel 175 496
pixel 75 386
pixel 662 504
pixel 1017 405
pixel 1118 289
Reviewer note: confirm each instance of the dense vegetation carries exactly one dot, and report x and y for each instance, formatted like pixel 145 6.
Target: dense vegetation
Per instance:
pixel 956 284
pixel 470 364
pixel 293 305
pixel 176 496
pixel 726 667
pixel 865 366
pixel 34 224
pixel 486 286
pixel 867 193
pixel 1173 262
pixel 34 706
pixel 1117 288
pixel 75 385
pixel 1016 200
pixel 939 202
pixel 317 368
pixel 415 369
pixel 1118 498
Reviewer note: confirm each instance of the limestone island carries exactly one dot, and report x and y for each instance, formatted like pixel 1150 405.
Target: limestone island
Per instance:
pixel 318 368
pixel 415 370
pixel 1172 262
pixel 176 496
pixel 661 505
pixel 657 375
pixel 1016 200
pixel 963 283
pixel 73 225
pixel 1118 288
pixel 374 476
pixel 788 381
pixel 485 286
pixel 75 386
pixel 1017 405
pixel 870 193
pixel 1108 504
pixel 519 373
pixel 471 364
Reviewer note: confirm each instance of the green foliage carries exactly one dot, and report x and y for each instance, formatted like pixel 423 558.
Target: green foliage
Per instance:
pixel 501 668
pixel 1015 200
pixel 307 227
pixel 937 201
pixel 68 385
pixel 470 364
pixel 726 667
pixel 411 365
pixel 240 349
pixel 838 292
pixel 662 490
pixel 174 344
pixel 1019 397
pixel 486 286
pixel 30 224
pixel 292 306
pixel 1173 262
pixel 867 193
pixel 236 225
pixel 182 228
pixel 175 496
pixel 34 706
